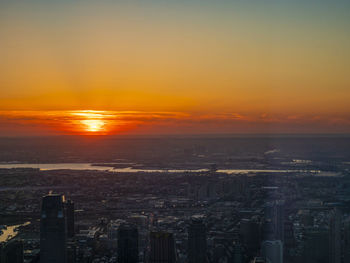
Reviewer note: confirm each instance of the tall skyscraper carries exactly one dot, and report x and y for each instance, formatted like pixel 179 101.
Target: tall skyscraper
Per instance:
pixel 197 241
pixel 335 236
pixel 69 209
pixel 249 231
pixel 274 213
pixel 128 248
pixel 279 220
pixel 272 250
pixel 346 241
pixel 162 248
pixel 53 230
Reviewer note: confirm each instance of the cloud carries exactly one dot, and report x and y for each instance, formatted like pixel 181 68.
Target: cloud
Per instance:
pixel 117 122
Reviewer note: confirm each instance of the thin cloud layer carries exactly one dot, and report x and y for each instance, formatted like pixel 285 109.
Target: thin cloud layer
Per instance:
pixel 86 122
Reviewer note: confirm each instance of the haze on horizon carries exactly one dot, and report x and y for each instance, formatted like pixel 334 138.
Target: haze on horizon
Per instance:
pixel 160 67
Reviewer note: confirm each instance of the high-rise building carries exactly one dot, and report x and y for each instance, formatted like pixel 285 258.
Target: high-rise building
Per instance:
pixel 274 212
pixel 53 230
pixel 346 241
pixel 197 241
pixel 289 240
pixel 128 249
pixel 272 250
pixel 335 236
pixel 11 251
pixel 69 205
pixel 279 220
pixel 249 231
pixel 162 248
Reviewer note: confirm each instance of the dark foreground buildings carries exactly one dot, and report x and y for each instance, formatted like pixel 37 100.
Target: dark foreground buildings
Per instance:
pixel 128 249
pixel 56 226
pixel 162 248
pixel 197 241
pixel 258 238
pixel 53 233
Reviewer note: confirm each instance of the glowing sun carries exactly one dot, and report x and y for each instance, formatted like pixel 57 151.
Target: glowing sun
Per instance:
pixel 93 125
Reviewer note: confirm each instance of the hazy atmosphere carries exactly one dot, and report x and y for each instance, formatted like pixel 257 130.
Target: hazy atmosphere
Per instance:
pixel 200 66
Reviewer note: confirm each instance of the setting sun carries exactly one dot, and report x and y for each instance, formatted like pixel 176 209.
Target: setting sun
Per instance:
pixel 92 121
pixel 93 125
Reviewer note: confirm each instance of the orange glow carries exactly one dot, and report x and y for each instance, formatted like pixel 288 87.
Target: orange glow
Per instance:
pixel 90 121
pixel 220 67
pixel 93 125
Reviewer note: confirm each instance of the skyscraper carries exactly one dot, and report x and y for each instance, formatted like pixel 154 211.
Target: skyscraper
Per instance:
pixel 69 208
pixel 162 248
pixel 249 231
pixel 197 241
pixel 53 230
pixel 128 249
pixel 335 237
pixel 346 241
pixel 279 220
pixel 274 213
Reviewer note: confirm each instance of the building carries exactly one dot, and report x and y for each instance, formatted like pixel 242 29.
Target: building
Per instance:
pixel 335 236
pixel 69 205
pixel 197 241
pixel 274 213
pixel 162 248
pixel 249 231
pixel 53 230
pixel 346 241
pixel 272 250
pixel 11 251
pixel 128 248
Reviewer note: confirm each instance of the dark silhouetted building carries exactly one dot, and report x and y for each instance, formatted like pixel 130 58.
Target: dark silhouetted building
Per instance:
pixel 128 246
pixel 69 205
pixel 335 237
pixel 249 231
pixel 346 241
pixel 197 241
pixel 162 248
pixel 274 213
pixel 53 230
pixel 11 251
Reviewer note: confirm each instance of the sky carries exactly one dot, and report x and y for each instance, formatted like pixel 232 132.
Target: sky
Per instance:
pixel 174 67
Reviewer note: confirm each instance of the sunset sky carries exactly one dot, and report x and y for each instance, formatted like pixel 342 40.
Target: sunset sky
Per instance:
pixel 174 67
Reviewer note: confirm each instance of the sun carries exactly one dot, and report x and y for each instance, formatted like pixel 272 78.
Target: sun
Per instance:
pixel 93 125
pixel 92 121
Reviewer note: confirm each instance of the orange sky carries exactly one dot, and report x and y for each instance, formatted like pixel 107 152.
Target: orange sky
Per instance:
pixel 281 67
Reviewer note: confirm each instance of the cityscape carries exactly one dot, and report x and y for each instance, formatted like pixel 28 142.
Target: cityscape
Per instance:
pixel 174 131
pixel 278 209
